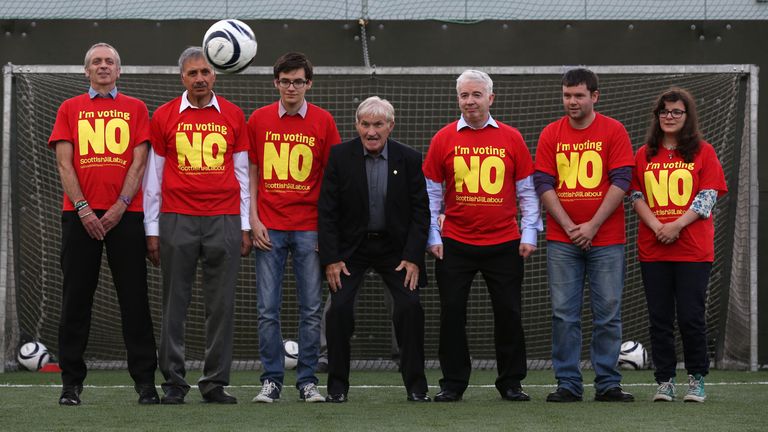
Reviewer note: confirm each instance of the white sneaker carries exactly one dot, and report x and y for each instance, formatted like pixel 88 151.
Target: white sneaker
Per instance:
pixel 309 393
pixel 270 392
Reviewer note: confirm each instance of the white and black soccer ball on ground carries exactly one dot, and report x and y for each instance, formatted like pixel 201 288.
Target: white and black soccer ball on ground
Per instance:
pixel 33 356
pixel 633 356
pixel 229 45
pixel 291 351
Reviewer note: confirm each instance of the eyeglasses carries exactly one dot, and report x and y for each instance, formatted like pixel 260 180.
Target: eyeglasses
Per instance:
pixel 676 113
pixel 297 83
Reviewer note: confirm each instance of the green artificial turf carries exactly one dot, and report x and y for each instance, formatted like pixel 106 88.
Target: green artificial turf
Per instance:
pixel 737 401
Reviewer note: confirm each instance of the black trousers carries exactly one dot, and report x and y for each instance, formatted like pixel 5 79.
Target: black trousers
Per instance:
pixel 81 265
pixel 407 317
pixel 677 288
pixel 502 269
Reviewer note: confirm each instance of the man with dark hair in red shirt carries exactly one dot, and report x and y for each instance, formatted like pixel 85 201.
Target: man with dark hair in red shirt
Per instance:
pixel 196 205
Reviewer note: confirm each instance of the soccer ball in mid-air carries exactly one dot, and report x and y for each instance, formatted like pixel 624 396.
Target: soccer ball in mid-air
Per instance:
pixel 229 45
pixel 33 356
pixel 291 351
pixel 633 356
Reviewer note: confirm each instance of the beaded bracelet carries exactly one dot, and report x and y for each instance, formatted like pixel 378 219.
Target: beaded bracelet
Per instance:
pixel 81 205
pixel 86 214
pixel 126 199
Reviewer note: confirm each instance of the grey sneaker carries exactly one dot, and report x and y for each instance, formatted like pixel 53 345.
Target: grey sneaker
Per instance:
pixel 665 392
pixel 270 392
pixel 309 393
pixel 695 389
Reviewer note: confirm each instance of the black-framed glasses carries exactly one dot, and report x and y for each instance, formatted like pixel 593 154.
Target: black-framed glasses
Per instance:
pixel 676 113
pixel 297 83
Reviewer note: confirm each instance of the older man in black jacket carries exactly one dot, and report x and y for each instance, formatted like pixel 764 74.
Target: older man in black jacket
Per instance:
pixel 374 213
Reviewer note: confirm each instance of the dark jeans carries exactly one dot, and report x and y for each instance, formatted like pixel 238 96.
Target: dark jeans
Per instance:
pixel 502 269
pixel 81 265
pixel 407 317
pixel 677 288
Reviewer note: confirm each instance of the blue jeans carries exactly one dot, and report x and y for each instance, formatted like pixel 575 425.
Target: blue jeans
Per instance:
pixel 270 266
pixel 567 266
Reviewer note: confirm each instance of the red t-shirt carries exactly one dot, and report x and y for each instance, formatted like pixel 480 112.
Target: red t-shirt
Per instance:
pixel 103 133
pixel 479 168
pixel 198 144
pixel 580 160
pixel 669 187
pixel 291 153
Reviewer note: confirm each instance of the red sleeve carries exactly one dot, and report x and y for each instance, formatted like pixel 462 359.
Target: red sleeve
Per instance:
pixel 523 160
pixel 252 127
pixel 432 165
pixel 332 137
pixel 712 175
pixel 156 135
pixel 545 157
pixel 620 151
pixel 637 170
pixel 142 123
pixel 242 141
pixel 61 130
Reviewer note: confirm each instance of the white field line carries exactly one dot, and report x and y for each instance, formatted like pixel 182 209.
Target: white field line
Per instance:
pixel 256 386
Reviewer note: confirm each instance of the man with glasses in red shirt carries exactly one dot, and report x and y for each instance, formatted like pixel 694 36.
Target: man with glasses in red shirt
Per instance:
pixel 290 143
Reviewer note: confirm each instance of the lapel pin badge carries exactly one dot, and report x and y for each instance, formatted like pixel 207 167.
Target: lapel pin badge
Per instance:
pixel 394 172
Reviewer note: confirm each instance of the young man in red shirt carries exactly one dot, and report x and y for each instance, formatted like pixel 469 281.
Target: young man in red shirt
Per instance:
pixel 290 143
pixel 487 172
pixel 583 169
pixel 196 206
pixel 101 142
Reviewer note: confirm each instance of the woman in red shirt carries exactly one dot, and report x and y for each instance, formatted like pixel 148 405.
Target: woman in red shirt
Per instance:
pixel 677 179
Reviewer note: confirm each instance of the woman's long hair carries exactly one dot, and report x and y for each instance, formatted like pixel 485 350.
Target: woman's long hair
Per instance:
pixel 688 138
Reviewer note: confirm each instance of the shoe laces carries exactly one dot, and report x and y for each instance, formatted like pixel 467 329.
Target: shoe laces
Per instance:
pixel 694 384
pixel 309 390
pixel 268 387
pixel 666 387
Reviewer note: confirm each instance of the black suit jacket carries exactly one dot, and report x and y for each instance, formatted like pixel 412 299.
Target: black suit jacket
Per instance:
pixel 343 205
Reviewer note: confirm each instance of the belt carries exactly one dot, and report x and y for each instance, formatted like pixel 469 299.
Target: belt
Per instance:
pixel 370 235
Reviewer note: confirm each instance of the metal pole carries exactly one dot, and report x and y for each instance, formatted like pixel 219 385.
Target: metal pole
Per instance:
pixel 5 207
pixel 754 206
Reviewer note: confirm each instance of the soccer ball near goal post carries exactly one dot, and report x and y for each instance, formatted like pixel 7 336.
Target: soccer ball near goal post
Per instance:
pixel 33 356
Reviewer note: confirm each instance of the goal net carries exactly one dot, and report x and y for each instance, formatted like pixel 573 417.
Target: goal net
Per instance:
pixel 424 98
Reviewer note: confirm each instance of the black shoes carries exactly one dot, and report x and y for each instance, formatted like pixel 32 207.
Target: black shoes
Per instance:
pixel 70 395
pixel 515 394
pixel 336 398
pixel 562 395
pixel 418 397
pixel 147 394
pixel 173 396
pixel 614 394
pixel 219 396
pixel 447 396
